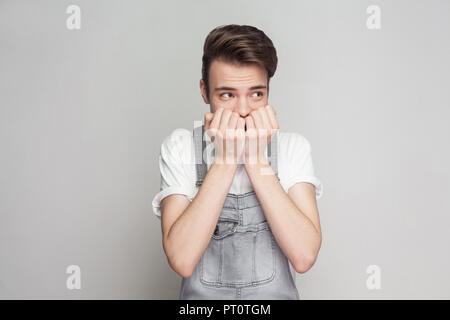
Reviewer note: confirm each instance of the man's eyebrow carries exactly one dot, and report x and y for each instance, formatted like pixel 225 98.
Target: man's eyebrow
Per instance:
pixel 234 89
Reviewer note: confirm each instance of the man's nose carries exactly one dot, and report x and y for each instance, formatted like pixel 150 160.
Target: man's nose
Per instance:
pixel 243 107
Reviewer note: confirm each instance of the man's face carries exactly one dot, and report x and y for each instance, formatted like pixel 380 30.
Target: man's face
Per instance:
pixel 240 88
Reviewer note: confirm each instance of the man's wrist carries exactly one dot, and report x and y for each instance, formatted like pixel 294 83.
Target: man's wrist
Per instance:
pixel 253 163
pixel 224 164
pixel 262 167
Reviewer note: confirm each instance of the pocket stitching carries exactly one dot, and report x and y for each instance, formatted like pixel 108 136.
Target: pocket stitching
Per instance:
pixel 251 283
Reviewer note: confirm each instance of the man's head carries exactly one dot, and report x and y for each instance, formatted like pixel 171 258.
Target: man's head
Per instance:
pixel 238 62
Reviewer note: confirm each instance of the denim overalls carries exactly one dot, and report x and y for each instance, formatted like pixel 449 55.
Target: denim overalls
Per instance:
pixel 242 260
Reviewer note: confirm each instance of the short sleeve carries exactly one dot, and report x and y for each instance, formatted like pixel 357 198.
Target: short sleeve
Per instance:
pixel 299 163
pixel 177 168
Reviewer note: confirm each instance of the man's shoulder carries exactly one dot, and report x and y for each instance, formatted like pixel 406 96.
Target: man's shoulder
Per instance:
pixel 178 136
pixel 178 143
pixel 290 141
pixel 292 145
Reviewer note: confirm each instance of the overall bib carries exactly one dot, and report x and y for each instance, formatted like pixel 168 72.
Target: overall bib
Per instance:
pixel 242 260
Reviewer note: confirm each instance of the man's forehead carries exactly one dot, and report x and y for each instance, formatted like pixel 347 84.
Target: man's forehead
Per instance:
pixel 234 87
pixel 232 75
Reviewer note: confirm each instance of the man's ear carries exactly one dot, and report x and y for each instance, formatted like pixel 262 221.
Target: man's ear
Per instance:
pixel 203 91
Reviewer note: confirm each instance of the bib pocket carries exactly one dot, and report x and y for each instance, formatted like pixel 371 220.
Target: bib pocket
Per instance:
pixel 238 256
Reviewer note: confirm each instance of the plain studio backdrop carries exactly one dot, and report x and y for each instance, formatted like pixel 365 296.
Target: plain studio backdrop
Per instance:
pixel 84 112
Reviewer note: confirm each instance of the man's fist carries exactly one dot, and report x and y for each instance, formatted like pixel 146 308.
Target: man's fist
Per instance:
pixel 235 136
pixel 227 131
pixel 261 125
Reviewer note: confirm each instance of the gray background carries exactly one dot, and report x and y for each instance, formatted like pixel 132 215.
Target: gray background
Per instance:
pixel 83 114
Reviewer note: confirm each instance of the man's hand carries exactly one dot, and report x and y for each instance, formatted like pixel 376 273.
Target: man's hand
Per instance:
pixel 227 131
pixel 261 124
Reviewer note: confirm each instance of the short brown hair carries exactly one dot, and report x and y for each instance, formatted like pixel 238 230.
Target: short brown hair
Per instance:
pixel 239 44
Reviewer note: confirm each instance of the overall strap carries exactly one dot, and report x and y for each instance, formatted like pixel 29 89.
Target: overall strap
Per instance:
pixel 200 146
pixel 273 157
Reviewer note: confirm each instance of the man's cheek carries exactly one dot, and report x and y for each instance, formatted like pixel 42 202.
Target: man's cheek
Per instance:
pixel 216 103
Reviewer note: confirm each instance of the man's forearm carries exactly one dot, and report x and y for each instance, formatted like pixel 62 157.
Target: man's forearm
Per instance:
pixel 294 232
pixel 191 232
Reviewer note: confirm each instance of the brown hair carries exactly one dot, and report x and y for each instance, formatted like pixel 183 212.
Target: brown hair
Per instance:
pixel 240 44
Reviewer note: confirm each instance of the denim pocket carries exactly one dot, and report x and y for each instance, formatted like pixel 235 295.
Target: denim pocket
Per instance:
pixel 237 257
pixel 224 228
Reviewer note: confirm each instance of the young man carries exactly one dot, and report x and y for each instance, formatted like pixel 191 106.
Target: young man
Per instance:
pixel 242 218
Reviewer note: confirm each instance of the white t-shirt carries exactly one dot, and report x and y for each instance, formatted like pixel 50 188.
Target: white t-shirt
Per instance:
pixel 178 170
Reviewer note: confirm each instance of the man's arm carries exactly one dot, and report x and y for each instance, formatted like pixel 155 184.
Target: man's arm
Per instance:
pixel 187 228
pixel 293 218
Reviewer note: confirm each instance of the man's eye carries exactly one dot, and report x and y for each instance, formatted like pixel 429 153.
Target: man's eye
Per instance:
pixel 223 95
pixel 258 93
